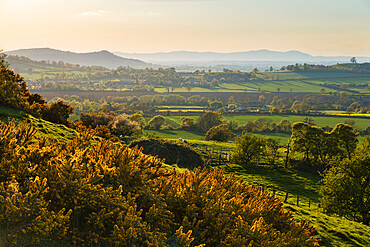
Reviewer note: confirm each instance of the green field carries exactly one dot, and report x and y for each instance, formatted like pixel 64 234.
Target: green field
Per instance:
pixel 334 231
pixel 361 123
pixel 287 82
pixel 58 132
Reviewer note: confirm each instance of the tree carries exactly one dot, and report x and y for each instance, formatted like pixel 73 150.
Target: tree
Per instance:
pixel 187 123
pixel 346 138
pixel 209 120
pixel 346 188
pixel 3 64
pixel 285 126
pixel 156 122
pixel 353 60
pixel 57 112
pixel 219 133
pixel 138 117
pixel 123 126
pixel 313 142
pixel 215 105
pixel 249 148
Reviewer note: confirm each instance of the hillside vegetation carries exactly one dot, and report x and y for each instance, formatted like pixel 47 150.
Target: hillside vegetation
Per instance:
pixel 107 194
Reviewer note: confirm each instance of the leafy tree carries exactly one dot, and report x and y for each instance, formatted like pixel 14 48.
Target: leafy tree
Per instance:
pixel 312 141
pixel 353 60
pixel 95 119
pixel 156 122
pixel 13 89
pixel 285 126
pixel 346 186
pixel 215 105
pixel 57 112
pixel 209 120
pixel 3 64
pixel 138 117
pixel 219 133
pixel 187 123
pixel 122 125
pixel 346 138
pixel 249 148
pixel 271 151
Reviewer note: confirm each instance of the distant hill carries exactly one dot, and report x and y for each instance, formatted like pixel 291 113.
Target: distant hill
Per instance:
pixel 235 57
pixel 101 58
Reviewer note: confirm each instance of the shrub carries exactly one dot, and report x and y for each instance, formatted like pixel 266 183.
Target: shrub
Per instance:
pixel 156 122
pixel 106 194
pixel 219 133
pixel 122 126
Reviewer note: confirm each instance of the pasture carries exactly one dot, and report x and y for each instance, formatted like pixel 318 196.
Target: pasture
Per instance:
pixel 321 121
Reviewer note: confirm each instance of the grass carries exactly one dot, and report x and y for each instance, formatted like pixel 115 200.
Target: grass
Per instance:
pixel 288 82
pixel 44 128
pixel 333 230
pixel 331 121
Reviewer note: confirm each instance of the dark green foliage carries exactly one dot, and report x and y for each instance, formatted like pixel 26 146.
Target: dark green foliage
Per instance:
pixel 57 112
pixel 92 119
pixel 208 120
pixel 219 133
pixel 318 147
pixel 14 93
pixel 173 152
pixel 346 186
pixel 156 122
pixel 188 123
pixel 249 148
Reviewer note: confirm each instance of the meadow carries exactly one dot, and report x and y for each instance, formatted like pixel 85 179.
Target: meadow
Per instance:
pixel 321 121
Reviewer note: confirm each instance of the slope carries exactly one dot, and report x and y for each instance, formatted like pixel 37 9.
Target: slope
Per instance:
pixel 100 58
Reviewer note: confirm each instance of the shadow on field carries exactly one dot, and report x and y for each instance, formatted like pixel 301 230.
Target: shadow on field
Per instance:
pixel 279 178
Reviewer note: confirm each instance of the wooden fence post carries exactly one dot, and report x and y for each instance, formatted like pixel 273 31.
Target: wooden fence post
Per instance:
pixel 286 197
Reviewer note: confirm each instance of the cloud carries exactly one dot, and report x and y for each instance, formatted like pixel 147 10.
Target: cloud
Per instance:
pixel 94 13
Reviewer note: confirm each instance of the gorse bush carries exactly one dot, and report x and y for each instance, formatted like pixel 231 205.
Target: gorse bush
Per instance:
pixel 79 194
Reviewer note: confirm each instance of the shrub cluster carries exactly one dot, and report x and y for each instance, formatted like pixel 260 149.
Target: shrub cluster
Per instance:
pixel 79 194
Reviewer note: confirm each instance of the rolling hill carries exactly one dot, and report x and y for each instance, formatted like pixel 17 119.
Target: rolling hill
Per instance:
pixel 237 57
pixel 100 58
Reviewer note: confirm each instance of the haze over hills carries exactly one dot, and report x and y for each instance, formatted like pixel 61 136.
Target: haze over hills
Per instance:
pixel 184 60
pixel 178 57
pixel 101 58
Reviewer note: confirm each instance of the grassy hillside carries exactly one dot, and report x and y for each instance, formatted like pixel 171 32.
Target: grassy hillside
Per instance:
pixel 44 128
pixel 334 231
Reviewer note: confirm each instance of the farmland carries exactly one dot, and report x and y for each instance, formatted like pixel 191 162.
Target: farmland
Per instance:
pixel 320 121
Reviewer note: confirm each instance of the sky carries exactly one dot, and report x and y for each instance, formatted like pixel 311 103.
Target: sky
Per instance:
pixel 317 27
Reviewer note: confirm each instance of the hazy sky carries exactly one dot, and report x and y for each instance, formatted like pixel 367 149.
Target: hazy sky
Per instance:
pixel 318 27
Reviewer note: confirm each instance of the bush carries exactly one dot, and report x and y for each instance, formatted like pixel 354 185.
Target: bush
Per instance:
pixel 122 126
pixel 94 119
pixel 78 194
pixel 219 133
pixel 156 122
pixel 173 152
